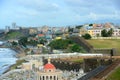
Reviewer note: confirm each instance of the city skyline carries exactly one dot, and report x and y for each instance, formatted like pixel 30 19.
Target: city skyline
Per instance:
pixel 58 13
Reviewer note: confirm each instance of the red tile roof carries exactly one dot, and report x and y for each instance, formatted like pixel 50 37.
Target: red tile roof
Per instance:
pixel 40 35
pixel 49 66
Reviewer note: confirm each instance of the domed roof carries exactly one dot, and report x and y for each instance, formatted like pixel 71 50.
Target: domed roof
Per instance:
pixel 49 66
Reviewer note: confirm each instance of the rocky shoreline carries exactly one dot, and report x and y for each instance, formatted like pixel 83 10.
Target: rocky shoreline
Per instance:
pixel 19 54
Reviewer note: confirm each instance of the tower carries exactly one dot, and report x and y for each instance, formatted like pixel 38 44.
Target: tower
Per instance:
pixel 13 25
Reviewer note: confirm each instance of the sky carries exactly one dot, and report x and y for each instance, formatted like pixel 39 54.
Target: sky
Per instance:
pixel 58 12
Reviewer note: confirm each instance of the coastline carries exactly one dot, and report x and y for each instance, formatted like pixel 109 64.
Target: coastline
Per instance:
pixel 19 52
pixel 7 70
pixel 17 55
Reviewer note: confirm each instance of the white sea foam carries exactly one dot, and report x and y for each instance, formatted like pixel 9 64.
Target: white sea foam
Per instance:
pixel 1 42
pixel 7 58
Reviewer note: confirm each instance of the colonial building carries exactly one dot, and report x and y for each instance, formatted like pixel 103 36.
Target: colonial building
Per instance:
pixel 49 72
pixel 116 32
pixel 83 31
pixel 32 31
pixel 46 72
pixel 32 64
pixel 95 32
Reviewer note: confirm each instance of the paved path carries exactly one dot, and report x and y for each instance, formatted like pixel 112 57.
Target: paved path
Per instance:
pixel 105 72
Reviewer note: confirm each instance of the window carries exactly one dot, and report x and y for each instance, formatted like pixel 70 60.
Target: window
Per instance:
pixel 50 77
pixel 46 77
pixel 43 78
pixel 49 70
pixel 54 77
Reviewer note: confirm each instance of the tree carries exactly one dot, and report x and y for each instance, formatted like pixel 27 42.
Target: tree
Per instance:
pixel 70 29
pixel 23 41
pixel 42 41
pixel 60 44
pixel 97 35
pixel 90 24
pixel 110 32
pixel 104 33
pixel 32 42
pixel 14 43
pixel 75 48
pixel 79 26
pixel 87 36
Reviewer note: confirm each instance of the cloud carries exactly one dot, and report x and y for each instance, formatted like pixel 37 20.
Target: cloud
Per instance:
pixel 41 5
pixel 55 5
pixel 98 17
pixel 27 9
pixel 93 16
pixel 55 12
pixel 95 9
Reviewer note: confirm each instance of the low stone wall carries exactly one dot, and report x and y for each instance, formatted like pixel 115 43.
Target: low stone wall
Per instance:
pixel 105 37
pixel 89 48
pixel 105 51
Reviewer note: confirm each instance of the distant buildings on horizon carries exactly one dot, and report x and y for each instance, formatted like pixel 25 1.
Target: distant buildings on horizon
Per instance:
pixel 92 29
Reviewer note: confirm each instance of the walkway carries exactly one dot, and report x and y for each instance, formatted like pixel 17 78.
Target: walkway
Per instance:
pixel 105 72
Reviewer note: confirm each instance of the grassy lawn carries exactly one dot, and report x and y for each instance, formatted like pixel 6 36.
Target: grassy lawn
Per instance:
pixel 78 60
pixel 113 43
pixel 115 75
pixel 19 62
pixel 13 35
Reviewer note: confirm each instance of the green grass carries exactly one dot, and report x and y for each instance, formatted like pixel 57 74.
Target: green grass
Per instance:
pixel 19 62
pixel 13 35
pixel 113 43
pixel 115 75
pixel 78 60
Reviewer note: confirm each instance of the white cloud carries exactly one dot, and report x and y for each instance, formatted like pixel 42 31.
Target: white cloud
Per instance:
pixel 29 12
pixel 93 16
pixel 59 11
pixel 55 5
pixel 41 5
pixel 97 17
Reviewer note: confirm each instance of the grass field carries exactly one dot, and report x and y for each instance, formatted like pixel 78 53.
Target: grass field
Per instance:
pixel 13 35
pixel 115 75
pixel 78 60
pixel 112 43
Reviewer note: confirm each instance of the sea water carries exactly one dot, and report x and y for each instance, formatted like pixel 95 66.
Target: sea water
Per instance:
pixel 7 58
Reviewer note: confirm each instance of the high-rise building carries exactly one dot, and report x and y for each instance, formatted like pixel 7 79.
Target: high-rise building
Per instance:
pixel 7 29
pixel 13 25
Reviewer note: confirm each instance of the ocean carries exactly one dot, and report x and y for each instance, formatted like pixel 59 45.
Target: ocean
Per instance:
pixel 7 58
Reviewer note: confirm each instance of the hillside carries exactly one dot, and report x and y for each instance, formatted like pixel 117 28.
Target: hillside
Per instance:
pixel 12 35
pixel 109 43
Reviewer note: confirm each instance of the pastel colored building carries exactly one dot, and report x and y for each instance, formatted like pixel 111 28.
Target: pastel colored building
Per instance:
pixel 31 64
pixel 58 38
pixel 95 32
pixel 116 32
pixel 91 32
pixel 83 31
pixel 32 31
